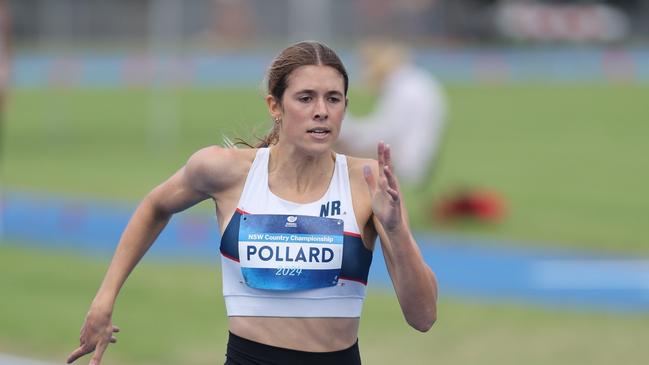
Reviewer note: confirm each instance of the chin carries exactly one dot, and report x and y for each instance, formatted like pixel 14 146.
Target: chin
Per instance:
pixel 317 148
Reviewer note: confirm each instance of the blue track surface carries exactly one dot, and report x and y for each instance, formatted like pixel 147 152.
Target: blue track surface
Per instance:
pixel 466 267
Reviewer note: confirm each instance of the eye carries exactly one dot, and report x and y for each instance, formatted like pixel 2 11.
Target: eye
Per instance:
pixel 333 99
pixel 304 98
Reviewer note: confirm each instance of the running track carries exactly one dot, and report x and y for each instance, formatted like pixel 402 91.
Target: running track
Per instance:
pixel 466 267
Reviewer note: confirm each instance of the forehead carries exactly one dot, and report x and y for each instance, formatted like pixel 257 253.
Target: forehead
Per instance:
pixel 316 77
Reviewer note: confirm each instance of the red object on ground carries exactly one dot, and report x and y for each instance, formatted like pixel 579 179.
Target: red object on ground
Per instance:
pixel 480 205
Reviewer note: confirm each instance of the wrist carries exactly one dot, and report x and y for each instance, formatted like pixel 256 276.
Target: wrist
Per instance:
pixel 101 306
pixel 398 229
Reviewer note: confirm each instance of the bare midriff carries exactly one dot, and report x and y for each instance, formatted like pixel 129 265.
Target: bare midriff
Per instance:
pixel 304 334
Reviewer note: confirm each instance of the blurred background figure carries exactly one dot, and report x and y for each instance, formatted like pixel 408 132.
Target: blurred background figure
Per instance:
pixel 234 23
pixel 409 113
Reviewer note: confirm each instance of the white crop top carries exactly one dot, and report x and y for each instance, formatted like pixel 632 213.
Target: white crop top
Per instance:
pixel 344 298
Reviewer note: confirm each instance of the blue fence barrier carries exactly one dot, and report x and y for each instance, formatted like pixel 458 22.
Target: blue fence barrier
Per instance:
pixel 240 68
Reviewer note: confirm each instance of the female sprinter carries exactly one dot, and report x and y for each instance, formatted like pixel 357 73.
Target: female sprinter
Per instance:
pixel 298 225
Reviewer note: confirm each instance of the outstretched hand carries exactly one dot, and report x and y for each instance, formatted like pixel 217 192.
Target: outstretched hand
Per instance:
pixel 386 198
pixel 97 332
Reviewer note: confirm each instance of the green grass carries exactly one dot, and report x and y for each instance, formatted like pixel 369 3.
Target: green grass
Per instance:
pixel 174 314
pixel 570 160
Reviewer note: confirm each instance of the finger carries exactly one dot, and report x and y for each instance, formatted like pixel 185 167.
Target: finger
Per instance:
pixel 390 184
pixel 369 179
pixel 383 181
pixel 99 352
pixel 74 355
pixel 113 339
pixel 392 179
pixel 116 329
pixel 388 156
pixel 393 194
pixel 381 156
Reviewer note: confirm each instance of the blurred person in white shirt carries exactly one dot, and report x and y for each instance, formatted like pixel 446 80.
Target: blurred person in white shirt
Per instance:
pixel 409 114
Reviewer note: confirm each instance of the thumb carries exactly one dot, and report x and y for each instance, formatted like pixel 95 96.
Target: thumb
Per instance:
pixel 369 179
pixel 80 351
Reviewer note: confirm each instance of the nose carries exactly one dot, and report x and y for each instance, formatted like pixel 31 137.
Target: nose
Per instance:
pixel 321 113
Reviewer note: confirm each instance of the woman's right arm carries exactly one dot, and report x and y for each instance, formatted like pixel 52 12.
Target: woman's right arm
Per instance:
pixel 205 174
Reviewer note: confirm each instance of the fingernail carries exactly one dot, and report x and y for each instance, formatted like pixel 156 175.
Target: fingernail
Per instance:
pixel 367 170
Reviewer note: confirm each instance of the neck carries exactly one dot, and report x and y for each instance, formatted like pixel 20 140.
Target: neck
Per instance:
pixel 295 170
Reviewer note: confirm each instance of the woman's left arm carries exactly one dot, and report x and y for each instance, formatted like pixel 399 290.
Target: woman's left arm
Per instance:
pixel 414 282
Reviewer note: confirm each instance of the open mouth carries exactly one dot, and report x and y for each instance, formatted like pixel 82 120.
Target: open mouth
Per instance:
pixel 319 131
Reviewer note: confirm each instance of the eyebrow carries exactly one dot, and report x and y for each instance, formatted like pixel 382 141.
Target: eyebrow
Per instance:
pixel 311 92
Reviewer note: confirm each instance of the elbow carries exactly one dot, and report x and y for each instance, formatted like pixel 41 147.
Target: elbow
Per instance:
pixel 423 325
pixel 425 322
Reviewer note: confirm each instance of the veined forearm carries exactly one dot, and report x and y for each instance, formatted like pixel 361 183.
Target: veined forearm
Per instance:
pixel 414 282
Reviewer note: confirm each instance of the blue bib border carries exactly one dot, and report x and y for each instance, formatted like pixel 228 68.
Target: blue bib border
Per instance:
pixel 356 257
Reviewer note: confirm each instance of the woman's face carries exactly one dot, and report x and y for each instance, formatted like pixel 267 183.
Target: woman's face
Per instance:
pixel 312 108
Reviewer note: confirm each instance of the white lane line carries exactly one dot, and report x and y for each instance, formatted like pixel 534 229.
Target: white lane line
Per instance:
pixel 6 359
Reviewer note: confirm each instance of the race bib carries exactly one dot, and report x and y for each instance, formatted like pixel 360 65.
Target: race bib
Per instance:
pixel 290 252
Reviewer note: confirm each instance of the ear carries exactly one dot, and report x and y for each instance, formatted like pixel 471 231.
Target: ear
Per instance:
pixel 274 107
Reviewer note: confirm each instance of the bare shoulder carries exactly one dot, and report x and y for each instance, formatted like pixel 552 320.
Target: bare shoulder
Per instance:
pixel 356 166
pixel 213 169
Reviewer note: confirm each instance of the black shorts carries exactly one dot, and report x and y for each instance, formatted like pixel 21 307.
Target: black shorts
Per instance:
pixel 246 352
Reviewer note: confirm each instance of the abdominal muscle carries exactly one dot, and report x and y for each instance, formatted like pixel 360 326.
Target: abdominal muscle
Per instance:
pixel 304 334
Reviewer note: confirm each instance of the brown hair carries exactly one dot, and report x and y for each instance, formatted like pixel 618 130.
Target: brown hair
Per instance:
pixel 297 55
